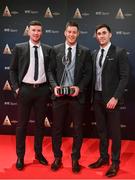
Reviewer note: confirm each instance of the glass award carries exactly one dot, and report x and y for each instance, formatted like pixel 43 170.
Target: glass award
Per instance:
pixel 65 90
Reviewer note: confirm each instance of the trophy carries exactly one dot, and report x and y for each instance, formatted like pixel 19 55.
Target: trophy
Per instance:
pixel 65 90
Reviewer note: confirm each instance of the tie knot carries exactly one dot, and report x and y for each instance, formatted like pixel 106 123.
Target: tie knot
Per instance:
pixel 102 51
pixel 69 49
pixel 35 47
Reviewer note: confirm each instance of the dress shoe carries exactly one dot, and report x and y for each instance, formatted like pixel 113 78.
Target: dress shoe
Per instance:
pixel 56 164
pixel 112 171
pixel 20 163
pixel 99 163
pixel 41 159
pixel 75 166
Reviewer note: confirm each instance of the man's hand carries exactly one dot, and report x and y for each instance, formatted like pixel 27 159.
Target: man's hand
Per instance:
pixel 56 91
pixel 112 103
pixel 76 91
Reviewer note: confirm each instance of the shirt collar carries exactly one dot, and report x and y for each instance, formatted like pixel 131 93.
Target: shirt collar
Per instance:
pixel 32 44
pixel 67 46
pixel 106 47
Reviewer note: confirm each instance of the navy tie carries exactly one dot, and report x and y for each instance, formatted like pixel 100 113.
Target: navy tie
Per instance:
pixel 101 57
pixel 36 63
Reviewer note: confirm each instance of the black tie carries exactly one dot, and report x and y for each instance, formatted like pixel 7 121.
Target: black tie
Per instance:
pixel 101 57
pixel 69 55
pixel 36 63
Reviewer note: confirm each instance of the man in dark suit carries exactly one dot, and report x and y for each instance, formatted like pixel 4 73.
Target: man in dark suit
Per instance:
pixel 69 75
pixel 110 68
pixel 30 83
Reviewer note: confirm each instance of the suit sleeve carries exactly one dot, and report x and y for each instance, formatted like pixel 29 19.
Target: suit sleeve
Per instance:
pixel 123 73
pixel 87 72
pixel 52 69
pixel 13 73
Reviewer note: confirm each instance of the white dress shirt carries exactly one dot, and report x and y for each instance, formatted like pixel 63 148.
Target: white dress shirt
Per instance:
pixel 29 77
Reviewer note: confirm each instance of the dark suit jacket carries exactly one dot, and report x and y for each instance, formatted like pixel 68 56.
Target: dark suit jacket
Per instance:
pixel 20 62
pixel 82 73
pixel 114 74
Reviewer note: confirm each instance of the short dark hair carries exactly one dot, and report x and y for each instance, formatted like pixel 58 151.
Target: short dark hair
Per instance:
pixel 102 26
pixel 72 23
pixel 34 23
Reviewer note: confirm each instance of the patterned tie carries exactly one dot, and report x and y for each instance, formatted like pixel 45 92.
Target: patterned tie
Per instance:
pixel 36 63
pixel 101 57
pixel 69 55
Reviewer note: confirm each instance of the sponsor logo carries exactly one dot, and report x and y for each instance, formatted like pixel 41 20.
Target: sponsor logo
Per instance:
pixel 7 68
pixel 51 31
pixel 77 14
pixel 29 11
pixel 83 32
pixel 10 30
pixel 123 33
pixel 6 12
pixel 26 31
pixel 47 123
pixel 7 86
pixel 7 103
pixel 48 13
pixel 93 123
pixel 7 50
pixel 9 13
pixel 6 121
pixel 31 121
pixel 102 13
pixel 123 125
pixel 71 125
pixel 121 15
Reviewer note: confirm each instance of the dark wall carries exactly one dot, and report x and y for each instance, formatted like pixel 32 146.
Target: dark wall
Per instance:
pixel 14 17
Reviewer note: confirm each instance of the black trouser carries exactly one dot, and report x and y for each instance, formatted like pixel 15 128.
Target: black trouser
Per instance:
pixel 61 108
pixel 108 124
pixel 28 98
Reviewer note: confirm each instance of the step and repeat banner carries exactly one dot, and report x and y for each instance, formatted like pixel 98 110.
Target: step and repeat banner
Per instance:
pixel 14 18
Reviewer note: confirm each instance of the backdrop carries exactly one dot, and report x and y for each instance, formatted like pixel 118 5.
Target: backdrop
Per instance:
pixel 14 17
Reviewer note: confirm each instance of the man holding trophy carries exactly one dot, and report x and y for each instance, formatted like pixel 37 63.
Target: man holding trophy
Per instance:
pixel 70 75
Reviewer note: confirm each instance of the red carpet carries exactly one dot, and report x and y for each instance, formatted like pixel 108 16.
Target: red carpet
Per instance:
pixel 34 170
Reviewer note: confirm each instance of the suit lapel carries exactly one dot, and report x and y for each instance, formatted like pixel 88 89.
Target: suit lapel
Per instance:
pixel 60 56
pixel 109 55
pixel 27 53
pixel 94 58
pixel 26 50
pixel 60 53
pixel 44 55
pixel 78 58
pixel 44 51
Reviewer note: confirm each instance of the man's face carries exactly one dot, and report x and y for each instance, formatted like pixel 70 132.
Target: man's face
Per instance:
pixel 71 33
pixel 103 36
pixel 35 33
